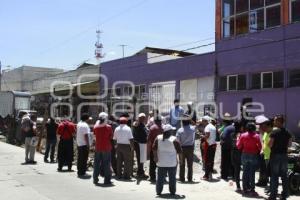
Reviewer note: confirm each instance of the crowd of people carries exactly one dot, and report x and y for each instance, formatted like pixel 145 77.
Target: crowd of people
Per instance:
pixel 249 145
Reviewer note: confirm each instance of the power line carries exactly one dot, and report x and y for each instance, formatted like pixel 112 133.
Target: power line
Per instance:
pixel 125 11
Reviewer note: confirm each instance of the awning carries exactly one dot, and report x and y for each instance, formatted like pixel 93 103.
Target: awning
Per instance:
pixel 86 87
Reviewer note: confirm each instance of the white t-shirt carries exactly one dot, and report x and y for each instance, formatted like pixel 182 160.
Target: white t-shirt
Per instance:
pixel 209 128
pixel 123 134
pixel 82 129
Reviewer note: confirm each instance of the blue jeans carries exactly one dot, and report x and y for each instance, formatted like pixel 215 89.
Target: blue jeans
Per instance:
pixel 249 162
pixel 161 175
pixel 102 164
pixel 279 168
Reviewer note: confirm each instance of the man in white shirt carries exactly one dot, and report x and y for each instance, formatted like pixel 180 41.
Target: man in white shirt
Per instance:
pixel 83 145
pixel 210 146
pixel 124 139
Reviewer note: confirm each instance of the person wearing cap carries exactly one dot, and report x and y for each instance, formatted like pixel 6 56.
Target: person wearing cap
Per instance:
pixel 114 124
pixel 264 124
pixel 165 148
pixel 250 145
pixel 210 134
pixel 267 128
pixel 191 112
pixel 155 130
pixel 140 134
pixel 226 147
pixel 28 129
pixel 124 139
pixel 104 134
pixel 186 136
pixel 83 144
pixel 175 113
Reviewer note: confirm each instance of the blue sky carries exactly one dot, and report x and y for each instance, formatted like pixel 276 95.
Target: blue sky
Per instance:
pixel 61 33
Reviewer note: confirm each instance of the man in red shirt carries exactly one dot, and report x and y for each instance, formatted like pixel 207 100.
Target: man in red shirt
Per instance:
pixel 66 130
pixel 104 135
pixel 155 130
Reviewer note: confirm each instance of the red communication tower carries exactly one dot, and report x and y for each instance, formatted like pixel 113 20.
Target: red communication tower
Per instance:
pixel 99 46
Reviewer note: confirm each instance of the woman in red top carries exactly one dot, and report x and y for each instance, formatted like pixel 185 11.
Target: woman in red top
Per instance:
pixel 66 130
pixel 250 146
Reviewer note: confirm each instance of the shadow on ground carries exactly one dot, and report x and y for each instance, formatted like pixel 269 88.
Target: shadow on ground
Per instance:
pixel 169 196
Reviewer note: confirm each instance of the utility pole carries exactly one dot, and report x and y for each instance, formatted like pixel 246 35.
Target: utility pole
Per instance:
pixel 123 49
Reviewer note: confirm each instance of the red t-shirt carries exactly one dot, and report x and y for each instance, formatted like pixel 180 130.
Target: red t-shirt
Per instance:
pixel 155 130
pixel 66 130
pixel 104 135
pixel 249 143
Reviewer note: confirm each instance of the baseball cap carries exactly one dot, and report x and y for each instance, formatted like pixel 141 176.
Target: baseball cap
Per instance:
pixel 168 127
pixel 103 115
pixel 206 118
pixel 227 116
pixel 190 103
pixel 260 119
pixel 142 115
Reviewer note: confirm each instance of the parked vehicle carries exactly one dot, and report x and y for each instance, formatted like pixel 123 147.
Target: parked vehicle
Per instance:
pixel 14 105
pixel 294 168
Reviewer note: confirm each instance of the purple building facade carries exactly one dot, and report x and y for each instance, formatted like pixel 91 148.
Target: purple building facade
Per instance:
pixel 155 79
pixel 257 60
pixel 262 67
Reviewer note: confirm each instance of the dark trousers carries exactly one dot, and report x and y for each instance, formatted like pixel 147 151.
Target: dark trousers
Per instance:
pixel 209 160
pixel 152 167
pixel 161 175
pixel 250 162
pixel 263 176
pixel 236 162
pixel 114 159
pixel 83 154
pixel 65 153
pixel 140 165
pixel 102 166
pixel 279 168
pixel 186 156
pixel 50 145
pixel 226 166
pixel 124 158
pixel 202 154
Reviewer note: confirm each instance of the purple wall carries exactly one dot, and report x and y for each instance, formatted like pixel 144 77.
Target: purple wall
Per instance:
pixel 270 50
pixel 143 73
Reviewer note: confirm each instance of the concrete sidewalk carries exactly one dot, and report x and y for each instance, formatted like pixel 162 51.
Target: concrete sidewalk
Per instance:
pixel 43 182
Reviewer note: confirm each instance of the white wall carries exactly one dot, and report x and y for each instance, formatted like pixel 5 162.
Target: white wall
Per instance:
pixel 162 95
pixel 200 91
pixel 22 78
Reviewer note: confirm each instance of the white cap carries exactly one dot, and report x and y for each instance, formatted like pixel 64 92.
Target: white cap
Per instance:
pixel 206 118
pixel 227 116
pixel 261 119
pixel 190 103
pixel 168 127
pixel 142 115
pixel 103 115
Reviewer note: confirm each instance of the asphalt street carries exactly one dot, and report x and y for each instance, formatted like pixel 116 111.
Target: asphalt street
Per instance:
pixel 43 182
